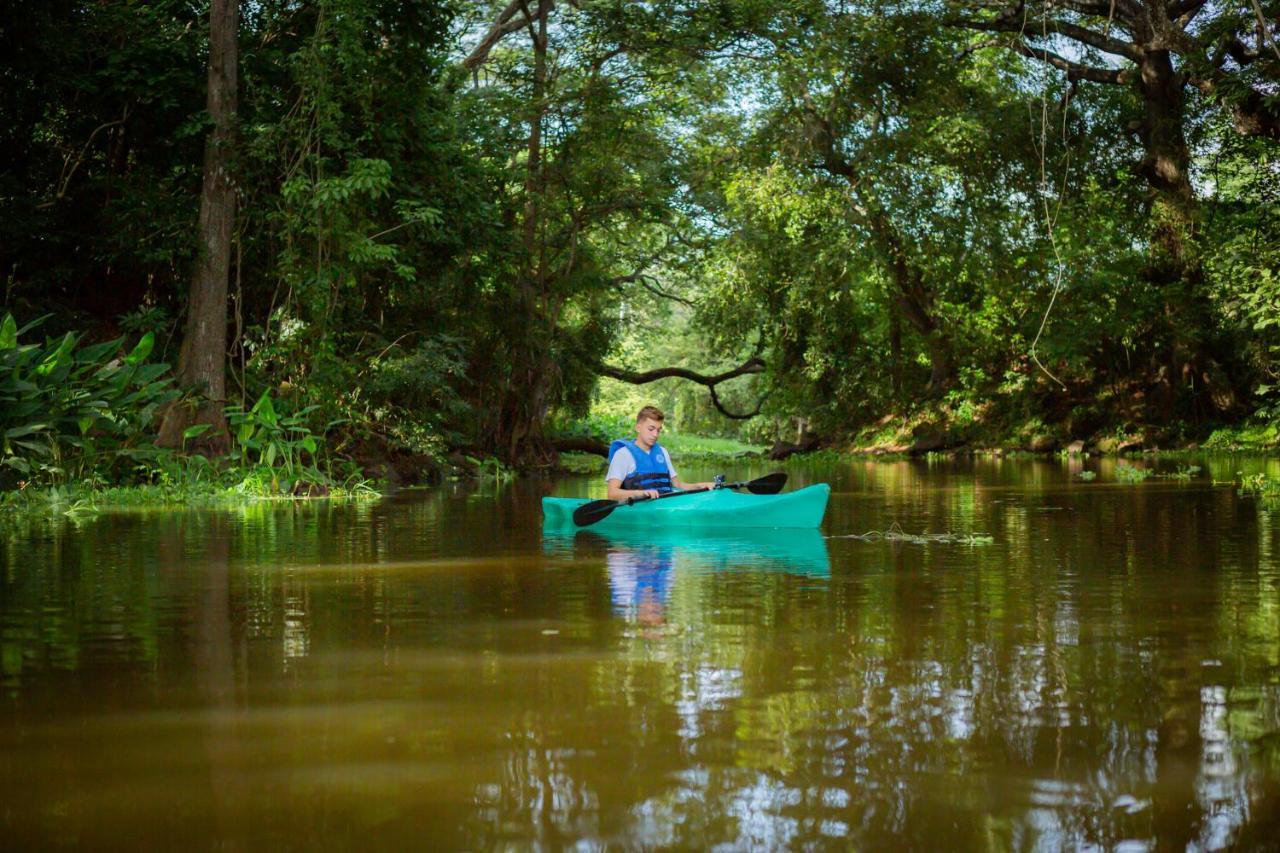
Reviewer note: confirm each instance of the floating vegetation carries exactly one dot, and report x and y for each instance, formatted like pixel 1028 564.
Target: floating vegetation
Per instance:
pixel 1183 474
pixel 1127 473
pixel 897 534
pixel 1260 486
pixel 1086 476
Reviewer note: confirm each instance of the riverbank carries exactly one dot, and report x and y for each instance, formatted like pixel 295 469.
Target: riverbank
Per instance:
pixel 924 435
pixel 976 429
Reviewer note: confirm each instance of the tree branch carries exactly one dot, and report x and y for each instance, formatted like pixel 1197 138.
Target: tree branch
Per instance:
pixel 1074 70
pixel 1251 115
pixel 69 166
pixel 644 281
pixel 1100 9
pixel 1184 7
pixel 505 24
pixel 751 365
pixel 1032 29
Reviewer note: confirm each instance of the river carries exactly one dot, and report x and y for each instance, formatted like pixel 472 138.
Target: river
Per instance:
pixel 431 670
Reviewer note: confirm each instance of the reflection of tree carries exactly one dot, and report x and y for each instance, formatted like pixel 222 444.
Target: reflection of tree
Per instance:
pixel 1056 683
pixel 213 659
pixel 1104 672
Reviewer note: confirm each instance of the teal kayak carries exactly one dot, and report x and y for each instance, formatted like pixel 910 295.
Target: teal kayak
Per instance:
pixel 713 510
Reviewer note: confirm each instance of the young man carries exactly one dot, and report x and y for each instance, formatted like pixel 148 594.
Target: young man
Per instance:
pixel 642 468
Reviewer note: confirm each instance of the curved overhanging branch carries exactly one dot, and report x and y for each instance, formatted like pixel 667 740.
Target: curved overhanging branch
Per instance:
pixel 1148 27
pixel 515 16
pixel 1075 70
pixel 507 22
pixel 751 365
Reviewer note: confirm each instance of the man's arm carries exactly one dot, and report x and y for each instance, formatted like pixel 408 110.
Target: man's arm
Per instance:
pixel 617 493
pixel 687 487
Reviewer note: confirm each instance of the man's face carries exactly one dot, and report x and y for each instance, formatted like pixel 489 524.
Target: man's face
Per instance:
pixel 647 432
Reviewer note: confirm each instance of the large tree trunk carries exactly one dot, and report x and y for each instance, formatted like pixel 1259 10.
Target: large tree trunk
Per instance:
pixel 1174 268
pixel 915 302
pixel 519 438
pixel 202 361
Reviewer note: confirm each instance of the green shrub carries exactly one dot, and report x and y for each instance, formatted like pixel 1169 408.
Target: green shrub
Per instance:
pixel 70 412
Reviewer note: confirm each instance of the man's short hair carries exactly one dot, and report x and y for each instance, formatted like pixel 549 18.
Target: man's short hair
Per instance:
pixel 650 413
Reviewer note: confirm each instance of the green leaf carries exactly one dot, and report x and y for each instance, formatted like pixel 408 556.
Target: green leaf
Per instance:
pixel 142 350
pixel 59 357
pixel 149 373
pixel 93 354
pixel 196 431
pixel 265 410
pixel 42 448
pixel 8 332
pixel 28 429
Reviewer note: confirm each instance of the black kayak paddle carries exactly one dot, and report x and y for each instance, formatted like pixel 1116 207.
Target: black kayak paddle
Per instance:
pixel 590 513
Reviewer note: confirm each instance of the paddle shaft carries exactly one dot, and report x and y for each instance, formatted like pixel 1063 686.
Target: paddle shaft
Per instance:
pixel 590 513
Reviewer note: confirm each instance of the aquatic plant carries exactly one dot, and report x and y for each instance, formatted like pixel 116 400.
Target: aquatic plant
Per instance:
pixel 1126 473
pixel 896 534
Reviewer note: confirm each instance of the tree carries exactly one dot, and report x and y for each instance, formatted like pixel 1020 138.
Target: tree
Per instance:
pixel 878 196
pixel 98 160
pixel 202 361
pixel 591 183
pixel 1161 50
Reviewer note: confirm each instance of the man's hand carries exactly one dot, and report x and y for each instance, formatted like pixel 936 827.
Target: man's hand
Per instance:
pixel 651 494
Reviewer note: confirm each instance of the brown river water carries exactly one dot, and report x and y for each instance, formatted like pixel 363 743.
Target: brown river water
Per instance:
pixel 431 672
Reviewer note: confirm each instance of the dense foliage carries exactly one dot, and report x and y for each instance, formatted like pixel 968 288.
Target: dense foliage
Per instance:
pixel 454 218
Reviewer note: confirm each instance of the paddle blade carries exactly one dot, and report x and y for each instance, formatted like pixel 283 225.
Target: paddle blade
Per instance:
pixel 592 512
pixel 769 484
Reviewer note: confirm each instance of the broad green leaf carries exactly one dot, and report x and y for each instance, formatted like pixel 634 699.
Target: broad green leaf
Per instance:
pixel 196 431
pixel 142 350
pixel 41 447
pixel 264 409
pixel 8 332
pixel 91 355
pixel 27 429
pixel 59 357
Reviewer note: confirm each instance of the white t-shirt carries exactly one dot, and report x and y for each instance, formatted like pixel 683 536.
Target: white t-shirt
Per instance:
pixel 624 464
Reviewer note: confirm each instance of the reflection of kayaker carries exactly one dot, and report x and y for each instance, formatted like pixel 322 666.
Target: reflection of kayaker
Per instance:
pixel 798 552
pixel 639 582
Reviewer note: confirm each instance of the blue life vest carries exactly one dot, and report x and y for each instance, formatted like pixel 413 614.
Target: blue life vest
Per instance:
pixel 651 468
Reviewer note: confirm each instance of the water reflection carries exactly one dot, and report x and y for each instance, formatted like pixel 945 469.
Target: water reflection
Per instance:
pixel 642 565
pixel 1106 674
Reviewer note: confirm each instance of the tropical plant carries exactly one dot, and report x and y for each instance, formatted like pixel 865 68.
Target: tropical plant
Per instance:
pixel 273 442
pixel 70 412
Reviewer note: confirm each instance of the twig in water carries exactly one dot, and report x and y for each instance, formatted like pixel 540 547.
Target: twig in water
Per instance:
pixel 896 534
